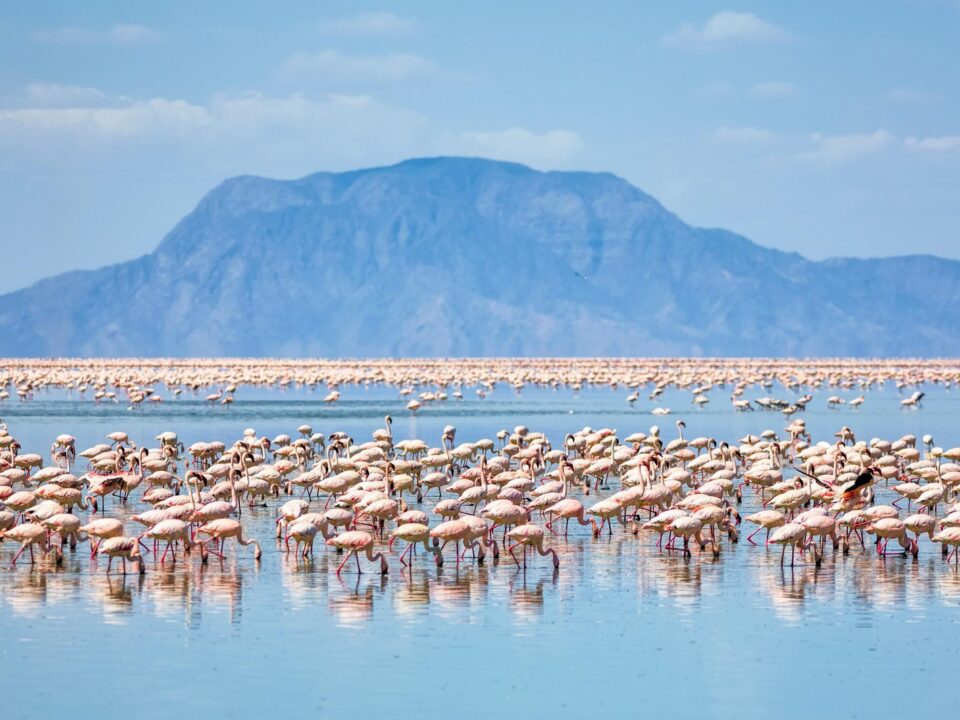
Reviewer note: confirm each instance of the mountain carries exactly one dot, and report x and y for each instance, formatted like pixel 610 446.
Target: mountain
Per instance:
pixel 463 257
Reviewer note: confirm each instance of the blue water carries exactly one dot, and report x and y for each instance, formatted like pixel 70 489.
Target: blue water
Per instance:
pixel 622 628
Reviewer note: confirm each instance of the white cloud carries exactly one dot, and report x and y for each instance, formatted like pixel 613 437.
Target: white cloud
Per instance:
pixel 331 65
pixel 332 120
pixel 147 118
pixel 549 149
pixel 121 34
pixel 337 118
pixel 944 143
pixel 371 24
pixel 773 89
pixel 131 35
pixel 725 29
pixel 247 132
pixel 837 149
pixel 55 95
pixel 745 136
pixel 285 136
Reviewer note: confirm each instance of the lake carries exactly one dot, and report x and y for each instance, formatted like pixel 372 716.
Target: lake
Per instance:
pixel 621 629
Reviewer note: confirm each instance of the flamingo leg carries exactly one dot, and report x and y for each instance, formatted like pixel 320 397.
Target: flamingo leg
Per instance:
pixel 344 561
pixel 24 547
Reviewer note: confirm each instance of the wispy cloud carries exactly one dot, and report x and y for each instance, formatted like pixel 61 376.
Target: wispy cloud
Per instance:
pixel 56 95
pixel 131 35
pixel 55 121
pixel 554 148
pixel 838 149
pixel 773 89
pixel 745 135
pixel 725 29
pixel 332 65
pixel 941 144
pixel 96 122
pixel 371 24
pixel 339 118
pixel 122 35
pixel 251 131
pixel 58 112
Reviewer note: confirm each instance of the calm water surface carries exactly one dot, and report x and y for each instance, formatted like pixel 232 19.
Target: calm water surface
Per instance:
pixel 621 629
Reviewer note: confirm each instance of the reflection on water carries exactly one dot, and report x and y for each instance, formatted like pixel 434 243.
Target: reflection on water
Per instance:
pixel 860 582
pixel 622 592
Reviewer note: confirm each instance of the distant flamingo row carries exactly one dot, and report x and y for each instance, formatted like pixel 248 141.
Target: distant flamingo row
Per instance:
pixel 143 381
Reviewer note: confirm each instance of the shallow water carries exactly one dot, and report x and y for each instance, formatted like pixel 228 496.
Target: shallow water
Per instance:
pixel 621 628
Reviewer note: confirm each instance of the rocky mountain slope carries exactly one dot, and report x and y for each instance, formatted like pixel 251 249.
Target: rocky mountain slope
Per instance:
pixel 457 256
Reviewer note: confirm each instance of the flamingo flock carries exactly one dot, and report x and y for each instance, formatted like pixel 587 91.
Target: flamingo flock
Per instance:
pixel 420 383
pixel 515 498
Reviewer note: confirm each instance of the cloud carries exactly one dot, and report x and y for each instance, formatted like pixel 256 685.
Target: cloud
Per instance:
pixel 331 120
pixel 239 116
pixel 942 144
pixel 725 29
pixel 55 95
pixel 286 136
pixel 290 135
pixel 334 66
pixel 147 118
pixel 371 24
pixel 838 149
pixel 549 149
pixel 745 136
pixel 122 34
pixel 134 35
pixel 773 89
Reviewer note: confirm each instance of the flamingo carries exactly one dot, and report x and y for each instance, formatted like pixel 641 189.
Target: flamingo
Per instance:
pixel 221 529
pixel 28 535
pixel 531 535
pixel 354 541
pixel 126 548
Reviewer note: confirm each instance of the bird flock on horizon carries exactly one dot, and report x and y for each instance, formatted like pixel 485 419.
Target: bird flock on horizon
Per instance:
pixel 422 382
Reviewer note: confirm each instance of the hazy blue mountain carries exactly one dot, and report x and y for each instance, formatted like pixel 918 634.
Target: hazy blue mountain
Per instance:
pixel 456 256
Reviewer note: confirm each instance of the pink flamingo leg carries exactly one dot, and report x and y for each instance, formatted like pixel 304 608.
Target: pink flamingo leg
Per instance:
pixel 345 561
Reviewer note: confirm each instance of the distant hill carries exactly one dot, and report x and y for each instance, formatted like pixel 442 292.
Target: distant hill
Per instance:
pixel 460 257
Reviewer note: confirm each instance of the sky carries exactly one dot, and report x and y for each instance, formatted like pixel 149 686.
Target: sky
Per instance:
pixel 819 127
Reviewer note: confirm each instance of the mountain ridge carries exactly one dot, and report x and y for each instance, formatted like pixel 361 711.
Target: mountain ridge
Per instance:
pixel 465 256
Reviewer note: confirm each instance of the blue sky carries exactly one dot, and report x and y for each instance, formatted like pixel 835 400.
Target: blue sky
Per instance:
pixel 821 127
